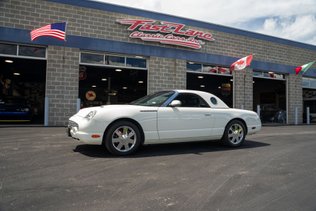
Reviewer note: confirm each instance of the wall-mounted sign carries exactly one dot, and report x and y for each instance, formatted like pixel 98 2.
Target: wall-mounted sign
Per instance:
pixel 82 73
pixel 166 33
pixel 91 95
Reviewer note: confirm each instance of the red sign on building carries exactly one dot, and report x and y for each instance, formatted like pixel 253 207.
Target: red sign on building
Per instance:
pixel 166 33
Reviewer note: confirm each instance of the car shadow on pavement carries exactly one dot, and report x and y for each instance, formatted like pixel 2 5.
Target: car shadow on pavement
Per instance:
pixel 167 149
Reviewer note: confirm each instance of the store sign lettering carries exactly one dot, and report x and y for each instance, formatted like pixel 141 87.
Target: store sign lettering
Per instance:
pixel 166 33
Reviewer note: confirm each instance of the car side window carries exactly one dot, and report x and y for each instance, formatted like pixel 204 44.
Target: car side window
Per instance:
pixel 191 100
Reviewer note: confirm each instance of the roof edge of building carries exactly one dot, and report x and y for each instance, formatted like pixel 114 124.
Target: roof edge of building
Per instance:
pixel 197 23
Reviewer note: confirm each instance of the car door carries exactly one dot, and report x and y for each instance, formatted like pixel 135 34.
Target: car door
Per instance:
pixel 189 122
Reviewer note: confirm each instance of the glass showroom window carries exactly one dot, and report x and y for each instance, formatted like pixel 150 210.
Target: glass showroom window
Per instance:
pixel 92 58
pixel 268 75
pixel 9 49
pixel 31 51
pixel 216 69
pixel 136 62
pixel 309 83
pixel 191 66
pixel 206 68
pixel 116 61
pixel 113 60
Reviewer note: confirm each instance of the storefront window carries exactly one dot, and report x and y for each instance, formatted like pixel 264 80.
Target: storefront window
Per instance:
pixel 270 74
pixel 206 68
pixel 116 60
pixel 312 83
pixel 136 62
pixel 309 83
pixel 9 49
pixel 92 58
pixel 257 74
pixel 32 51
pixel 194 67
pixel 113 60
pixel 216 69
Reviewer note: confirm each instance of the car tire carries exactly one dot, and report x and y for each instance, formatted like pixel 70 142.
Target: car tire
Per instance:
pixel 235 133
pixel 122 138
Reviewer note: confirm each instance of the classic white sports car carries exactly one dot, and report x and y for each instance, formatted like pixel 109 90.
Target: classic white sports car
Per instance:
pixel 163 117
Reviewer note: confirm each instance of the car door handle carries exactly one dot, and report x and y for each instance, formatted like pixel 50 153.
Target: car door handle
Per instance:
pixel 207 114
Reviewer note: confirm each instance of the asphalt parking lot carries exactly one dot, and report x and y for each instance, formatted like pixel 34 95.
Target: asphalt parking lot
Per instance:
pixel 42 169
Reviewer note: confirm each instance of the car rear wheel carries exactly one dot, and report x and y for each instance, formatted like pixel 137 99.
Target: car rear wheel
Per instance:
pixel 122 138
pixel 234 134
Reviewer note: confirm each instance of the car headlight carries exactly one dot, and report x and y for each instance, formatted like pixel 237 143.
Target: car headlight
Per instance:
pixel 90 115
pixel 25 109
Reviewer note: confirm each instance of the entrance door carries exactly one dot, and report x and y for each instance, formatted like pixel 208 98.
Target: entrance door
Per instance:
pixel 22 90
pixel 270 96
pixel 107 85
pixel 111 79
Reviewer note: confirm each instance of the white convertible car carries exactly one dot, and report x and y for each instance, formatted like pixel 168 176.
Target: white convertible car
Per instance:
pixel 163 117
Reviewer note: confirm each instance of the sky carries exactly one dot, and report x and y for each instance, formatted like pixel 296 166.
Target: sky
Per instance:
pixel 289 19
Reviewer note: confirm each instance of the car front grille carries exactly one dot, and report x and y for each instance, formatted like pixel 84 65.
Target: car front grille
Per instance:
pixel 73 124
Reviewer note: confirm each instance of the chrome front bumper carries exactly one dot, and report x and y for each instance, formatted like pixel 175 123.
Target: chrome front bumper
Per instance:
pixel 72 129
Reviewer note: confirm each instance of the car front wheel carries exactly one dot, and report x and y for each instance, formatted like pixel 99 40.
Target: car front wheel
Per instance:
pixel 122 138
pixel 234 134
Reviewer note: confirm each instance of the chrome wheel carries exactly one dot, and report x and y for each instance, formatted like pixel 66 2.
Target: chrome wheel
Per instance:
pixel 235 134
pixel 124 139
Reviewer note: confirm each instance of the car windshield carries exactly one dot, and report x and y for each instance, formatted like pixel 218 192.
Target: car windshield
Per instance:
pixel 156 99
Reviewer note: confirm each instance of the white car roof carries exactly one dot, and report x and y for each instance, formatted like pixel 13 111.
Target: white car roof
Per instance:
pixel 208 97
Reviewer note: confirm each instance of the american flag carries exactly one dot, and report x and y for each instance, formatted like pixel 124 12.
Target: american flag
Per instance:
pixel 56 30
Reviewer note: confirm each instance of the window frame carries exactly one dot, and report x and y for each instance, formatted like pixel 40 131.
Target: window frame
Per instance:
pixel 106 62
pixel 17 55
pixel 201 100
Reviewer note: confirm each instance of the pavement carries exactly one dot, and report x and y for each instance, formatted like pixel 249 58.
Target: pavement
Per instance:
pixel 42 169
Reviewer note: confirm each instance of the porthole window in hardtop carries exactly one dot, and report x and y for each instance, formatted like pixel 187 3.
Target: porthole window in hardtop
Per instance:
pixel 191 100
pixel 213 100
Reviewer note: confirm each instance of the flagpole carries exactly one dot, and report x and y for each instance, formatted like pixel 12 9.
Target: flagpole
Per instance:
pixel 242 64
pixel 244 100
pixel 64 51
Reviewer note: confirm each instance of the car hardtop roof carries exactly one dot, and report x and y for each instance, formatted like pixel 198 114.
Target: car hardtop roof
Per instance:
pixel 206 96
pixel 192 91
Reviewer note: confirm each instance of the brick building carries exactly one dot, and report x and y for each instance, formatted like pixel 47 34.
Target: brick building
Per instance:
pixel 106 59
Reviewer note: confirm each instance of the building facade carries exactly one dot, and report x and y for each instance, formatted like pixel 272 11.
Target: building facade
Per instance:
pixel 114 54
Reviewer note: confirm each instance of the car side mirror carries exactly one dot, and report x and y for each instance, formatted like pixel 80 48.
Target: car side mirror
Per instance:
pixel 175 103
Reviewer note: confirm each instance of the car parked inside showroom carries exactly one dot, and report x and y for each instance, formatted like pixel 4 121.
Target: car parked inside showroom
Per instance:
pixel 14 109
pixel 163 117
